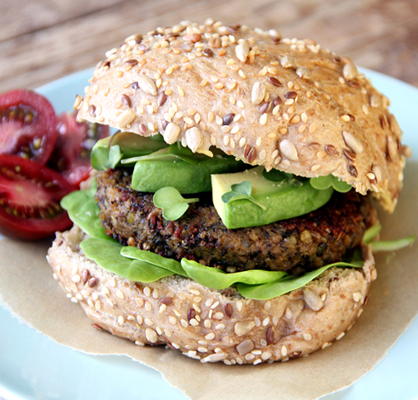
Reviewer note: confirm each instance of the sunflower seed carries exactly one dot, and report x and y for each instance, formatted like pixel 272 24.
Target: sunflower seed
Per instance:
pixel 194 138
pixel 147 84
pixel 125 118
pixel 350 71
pixel 171 133
pixel 242 49
pixel 258 93
pixel 288 149
pixel 353 143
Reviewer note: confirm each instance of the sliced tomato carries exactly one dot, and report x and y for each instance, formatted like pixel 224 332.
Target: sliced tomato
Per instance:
pixel 30 196
pixel 27 125
pixel 71 156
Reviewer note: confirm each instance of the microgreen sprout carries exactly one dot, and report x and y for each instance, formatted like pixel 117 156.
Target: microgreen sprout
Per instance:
pixel 241 191
pixel 173 204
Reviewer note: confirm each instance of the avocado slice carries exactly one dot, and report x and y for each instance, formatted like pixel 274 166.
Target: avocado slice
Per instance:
pixel 282 199
pixel 182 169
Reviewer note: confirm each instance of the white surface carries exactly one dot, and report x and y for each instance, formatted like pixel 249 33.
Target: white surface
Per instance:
pixel 34 367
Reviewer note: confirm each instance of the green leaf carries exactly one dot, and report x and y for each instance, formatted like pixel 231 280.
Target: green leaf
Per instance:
pixel 171 153
pixel 84 212
pixel 107 255
pixel 275 175
pixel 371 233
pixel 173 204
pixel 218 279
pixel 153 259
pixel 241 191
pixel 325 182
pixel 392 245
pixel 287 284
pixel 110 152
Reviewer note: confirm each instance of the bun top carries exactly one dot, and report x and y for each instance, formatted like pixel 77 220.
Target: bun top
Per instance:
pixel 283 103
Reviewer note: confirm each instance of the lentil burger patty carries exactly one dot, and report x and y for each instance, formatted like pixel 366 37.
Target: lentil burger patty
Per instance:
pixel 295 245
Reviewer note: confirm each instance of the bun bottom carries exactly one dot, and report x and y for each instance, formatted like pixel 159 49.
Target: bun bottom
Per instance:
pixel 211 325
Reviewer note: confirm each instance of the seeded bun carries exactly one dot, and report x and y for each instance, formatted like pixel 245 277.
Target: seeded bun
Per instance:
pixel 212 325
pixel 281 103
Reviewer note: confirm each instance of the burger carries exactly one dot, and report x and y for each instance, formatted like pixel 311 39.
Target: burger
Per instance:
pixel 232 214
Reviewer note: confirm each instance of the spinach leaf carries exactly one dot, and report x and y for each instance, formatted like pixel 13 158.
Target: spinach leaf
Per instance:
pixel 171 153
pixel 392 245
pixel 287 284
pixel 241 191
pixel 371 233
pixel 275 175
pixel 111 151
pixel 385 245
pixel 217 279
pixel 173 204
pixel 83 211
pixel 153 259
pixel 107 255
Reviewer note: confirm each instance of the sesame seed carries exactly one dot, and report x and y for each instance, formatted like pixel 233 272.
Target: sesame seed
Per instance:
pixel 295 119
pixel 214 305
pixel 210 336
pixel 307 336
pixel 241 74
pixel 121 320
pixel 151 335
pixel 357 296
pixel 172 320
pixel 218 315
pixel 289 313
pixel 284 351
pixel 312 128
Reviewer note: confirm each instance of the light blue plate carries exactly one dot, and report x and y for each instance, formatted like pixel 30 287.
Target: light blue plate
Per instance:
pixel 34 367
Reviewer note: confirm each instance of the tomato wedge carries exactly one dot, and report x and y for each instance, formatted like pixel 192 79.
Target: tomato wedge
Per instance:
pixel 71 156
pixel 30 196
pixel 27 125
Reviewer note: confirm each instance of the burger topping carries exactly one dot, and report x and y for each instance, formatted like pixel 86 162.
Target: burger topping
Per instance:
pixel 247 198
pixel 172 203
pixel 145 266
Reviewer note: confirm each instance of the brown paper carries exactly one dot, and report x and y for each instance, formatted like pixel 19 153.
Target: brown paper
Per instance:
pixel 28 289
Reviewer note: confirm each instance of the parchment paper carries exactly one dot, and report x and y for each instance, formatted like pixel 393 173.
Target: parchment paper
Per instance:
pixel 29 291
